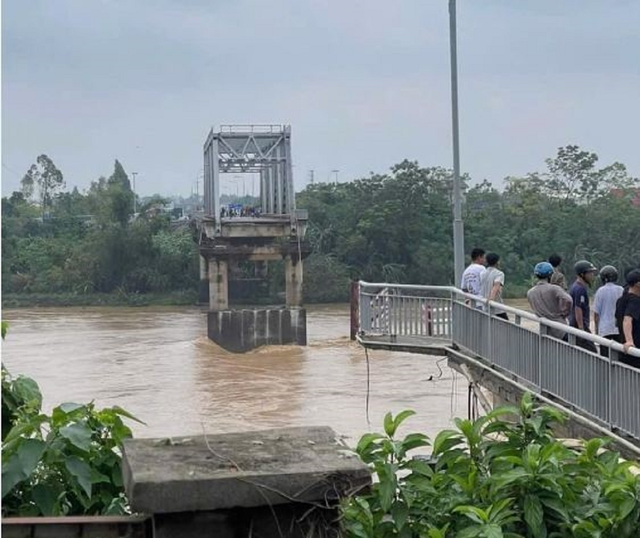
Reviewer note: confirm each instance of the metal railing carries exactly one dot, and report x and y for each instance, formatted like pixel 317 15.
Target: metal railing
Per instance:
pixel 131 526
pixel 541 354
pixel 421 311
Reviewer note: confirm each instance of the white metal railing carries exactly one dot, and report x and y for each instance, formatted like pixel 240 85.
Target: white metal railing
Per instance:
pixel 527 347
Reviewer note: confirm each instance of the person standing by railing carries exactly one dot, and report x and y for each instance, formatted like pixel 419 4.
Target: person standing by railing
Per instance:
pixel 557 277
pixel 580 316
pixel 549 301
pixel 492 282
pixel 628 317
pixel 604 306
pixel 471 276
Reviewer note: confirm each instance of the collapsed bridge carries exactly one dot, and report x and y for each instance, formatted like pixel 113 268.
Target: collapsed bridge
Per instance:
pixel 275 232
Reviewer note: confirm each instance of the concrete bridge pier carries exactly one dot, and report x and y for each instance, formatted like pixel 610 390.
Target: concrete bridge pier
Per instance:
pixel 257 240
pixel 203 287
pixel 218 285
pixel 293 281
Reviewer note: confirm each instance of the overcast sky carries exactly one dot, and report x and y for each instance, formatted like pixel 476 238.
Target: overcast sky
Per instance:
pixel 364 83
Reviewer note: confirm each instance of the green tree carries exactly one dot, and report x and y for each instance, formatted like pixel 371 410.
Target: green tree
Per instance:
pixel 111 199
pixel 572 174
pixel 44 177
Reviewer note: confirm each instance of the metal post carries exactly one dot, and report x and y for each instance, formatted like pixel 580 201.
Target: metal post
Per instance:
pixel 214 189
pixel 355 309
pixel 458 226
pixel 135 202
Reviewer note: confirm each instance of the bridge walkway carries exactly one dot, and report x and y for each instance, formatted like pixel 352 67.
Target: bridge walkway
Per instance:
pixel 519 353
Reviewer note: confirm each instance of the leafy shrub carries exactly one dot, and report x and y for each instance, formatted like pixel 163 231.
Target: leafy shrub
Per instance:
pixel 493 478
pixel 326 280
pixel 68 463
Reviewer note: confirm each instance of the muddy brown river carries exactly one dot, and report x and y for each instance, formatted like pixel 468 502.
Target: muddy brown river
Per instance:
pixel 158 364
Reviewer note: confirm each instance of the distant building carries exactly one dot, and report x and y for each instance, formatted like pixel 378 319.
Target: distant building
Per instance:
pixel 635 195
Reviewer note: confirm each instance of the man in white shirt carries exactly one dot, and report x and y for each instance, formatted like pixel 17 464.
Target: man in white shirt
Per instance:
pixel 604 306
pixel 471 276
pixel 492 282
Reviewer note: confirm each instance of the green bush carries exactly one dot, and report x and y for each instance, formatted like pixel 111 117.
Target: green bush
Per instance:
pixel 326 280
pixel 66 463
pixel 494 478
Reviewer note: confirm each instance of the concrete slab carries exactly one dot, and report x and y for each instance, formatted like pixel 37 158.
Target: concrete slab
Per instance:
pixel 245 469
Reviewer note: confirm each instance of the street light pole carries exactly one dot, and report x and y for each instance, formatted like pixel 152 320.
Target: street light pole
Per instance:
pixel 135 202
pixel 458 225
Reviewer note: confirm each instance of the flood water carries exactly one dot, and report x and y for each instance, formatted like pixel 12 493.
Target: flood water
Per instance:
pixel 158 364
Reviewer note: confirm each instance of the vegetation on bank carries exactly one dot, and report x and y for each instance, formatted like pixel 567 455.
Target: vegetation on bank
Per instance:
pixel 65 463
pixel 59 256
pixel 495 477
pixel 393 227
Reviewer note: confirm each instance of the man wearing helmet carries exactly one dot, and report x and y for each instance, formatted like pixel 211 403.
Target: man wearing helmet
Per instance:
pixel 604 306
pixel 580 316
pixel 549 301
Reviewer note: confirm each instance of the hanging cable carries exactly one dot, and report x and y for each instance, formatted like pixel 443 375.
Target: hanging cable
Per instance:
pixel 366 354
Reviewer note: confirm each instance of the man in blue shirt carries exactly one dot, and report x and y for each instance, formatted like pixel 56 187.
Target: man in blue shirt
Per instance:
pixel 580 316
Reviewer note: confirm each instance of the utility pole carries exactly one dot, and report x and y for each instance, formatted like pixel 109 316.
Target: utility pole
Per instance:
pixel 311 178
pixel 336 173
pixel 458 225
pixel 135 201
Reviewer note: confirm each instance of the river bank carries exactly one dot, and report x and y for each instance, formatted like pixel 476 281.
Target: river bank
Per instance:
pixel 31 300
pixel 173 298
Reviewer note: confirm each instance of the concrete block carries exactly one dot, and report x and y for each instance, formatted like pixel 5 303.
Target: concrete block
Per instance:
pixel 299 326
pixel 248 469
pixel 249 329
pixel 242 330
pixel 286 332
pixel 261 327
pixel 274 317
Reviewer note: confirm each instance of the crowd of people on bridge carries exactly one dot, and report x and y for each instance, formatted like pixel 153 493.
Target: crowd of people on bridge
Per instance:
pixel 616 309
pixel 239 211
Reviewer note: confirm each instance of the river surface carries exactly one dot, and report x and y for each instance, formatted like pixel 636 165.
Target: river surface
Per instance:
pixel 158 364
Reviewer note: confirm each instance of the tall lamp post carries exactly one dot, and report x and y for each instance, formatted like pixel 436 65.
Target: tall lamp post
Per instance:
pixel 135 201
pixel 458 225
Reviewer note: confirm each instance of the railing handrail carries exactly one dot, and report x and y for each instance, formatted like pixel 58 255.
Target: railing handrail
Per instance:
pixel 611 344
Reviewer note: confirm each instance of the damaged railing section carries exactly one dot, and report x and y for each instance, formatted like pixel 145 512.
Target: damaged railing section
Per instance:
pixel 395 309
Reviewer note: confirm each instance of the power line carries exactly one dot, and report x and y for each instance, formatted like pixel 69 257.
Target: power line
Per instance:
pixel 18 174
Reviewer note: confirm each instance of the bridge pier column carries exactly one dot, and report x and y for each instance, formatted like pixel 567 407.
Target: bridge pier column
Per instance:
pixel 203 289
pixel 293 281
pixel 218 285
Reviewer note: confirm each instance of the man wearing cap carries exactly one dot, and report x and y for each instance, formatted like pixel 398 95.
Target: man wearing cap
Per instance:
pixel 549 301
pixel 628 317
pixel 580 315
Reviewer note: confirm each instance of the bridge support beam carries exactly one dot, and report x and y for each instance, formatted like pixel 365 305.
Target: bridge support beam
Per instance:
pixel 293 281
pixel 203 289
pixel 218 285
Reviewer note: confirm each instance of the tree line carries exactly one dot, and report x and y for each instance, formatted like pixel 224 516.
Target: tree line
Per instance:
pixel 392 227
pixel 397 227
pixel 87 242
